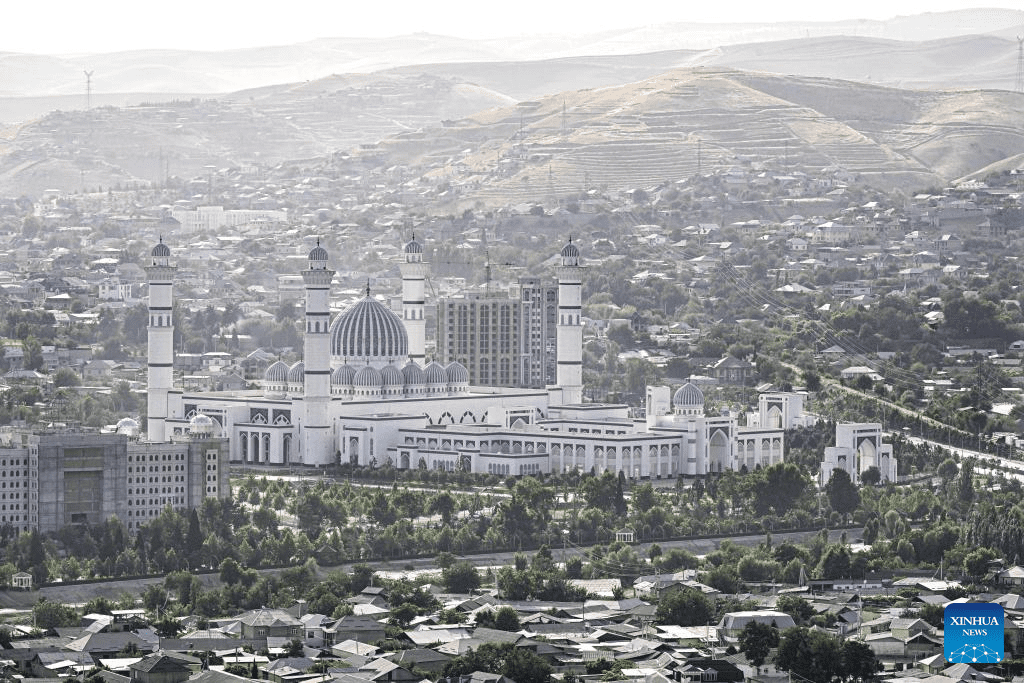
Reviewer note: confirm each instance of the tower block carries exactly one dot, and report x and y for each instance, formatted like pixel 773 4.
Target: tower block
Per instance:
pixel 317 444
pixel 569 333
pixel 414 274
pixel 160 337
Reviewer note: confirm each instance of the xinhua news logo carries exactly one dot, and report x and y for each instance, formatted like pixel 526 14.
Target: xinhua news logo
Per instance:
pixel 973 632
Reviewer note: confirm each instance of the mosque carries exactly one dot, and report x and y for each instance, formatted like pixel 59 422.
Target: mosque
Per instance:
pixel 364 393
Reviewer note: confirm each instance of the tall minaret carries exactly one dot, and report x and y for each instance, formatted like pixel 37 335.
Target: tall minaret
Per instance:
pixel 569 340
pixel 414 273
pixel 160 354
pixel 317 446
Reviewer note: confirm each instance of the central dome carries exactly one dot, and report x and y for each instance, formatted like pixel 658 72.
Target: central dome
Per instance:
pixel 370 333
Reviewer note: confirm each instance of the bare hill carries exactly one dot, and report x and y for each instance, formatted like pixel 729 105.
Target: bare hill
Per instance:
pixel 495 150
pixel 740 45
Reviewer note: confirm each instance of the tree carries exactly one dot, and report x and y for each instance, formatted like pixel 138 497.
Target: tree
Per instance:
pixel 796 607
pixel 843 495
pixel 871 476
pixel 778 488
pixel 47 614
pixel 811 655
pixel 460 577
pixel 685 607
pixel 506 619
pixel 948 469
pixel 757 641
pixel 519 664
pixel 858 661
pixel 66 377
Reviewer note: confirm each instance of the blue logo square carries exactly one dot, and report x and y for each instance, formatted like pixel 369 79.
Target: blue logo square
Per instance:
pixel 973 632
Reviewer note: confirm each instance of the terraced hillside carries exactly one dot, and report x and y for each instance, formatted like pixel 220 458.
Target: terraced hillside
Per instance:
pixel 668 127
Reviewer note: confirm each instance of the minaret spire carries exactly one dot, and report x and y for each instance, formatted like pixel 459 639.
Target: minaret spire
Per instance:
pixel 569 339
pixel 317 446
pixel 160 334
pixel 414 274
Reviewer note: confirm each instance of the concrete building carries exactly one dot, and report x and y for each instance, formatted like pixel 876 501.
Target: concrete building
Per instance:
pixel 55 479
pixel 859 447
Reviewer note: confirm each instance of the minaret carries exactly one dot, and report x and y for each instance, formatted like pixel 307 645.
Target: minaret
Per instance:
pixel 160 354
pixel 569 340
pixel 316 442
pixel 414 273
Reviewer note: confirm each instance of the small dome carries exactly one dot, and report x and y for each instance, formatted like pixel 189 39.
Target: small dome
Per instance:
pixel 391 376
pixel 457 373
pixel 200 425
pixel 127 425
pixel 368 377
pixel 343 376
pixel 688 395
pixel 318 253
pixel 413 247
pixel 435 373
pixel 413 374
pixel 161 250
pixel 277 373
pixel 570 250
pixel 297 373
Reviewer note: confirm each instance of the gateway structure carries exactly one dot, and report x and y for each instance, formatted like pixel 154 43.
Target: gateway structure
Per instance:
pixel 365 393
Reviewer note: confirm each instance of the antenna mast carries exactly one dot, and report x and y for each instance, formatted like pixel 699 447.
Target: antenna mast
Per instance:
pixel 88 89
pixel 1019 85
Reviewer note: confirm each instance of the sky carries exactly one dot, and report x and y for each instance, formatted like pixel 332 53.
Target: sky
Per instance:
pixel 76 26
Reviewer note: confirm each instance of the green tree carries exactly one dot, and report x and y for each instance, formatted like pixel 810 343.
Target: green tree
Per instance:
pixel 858 662
pixel 519 664
pixel 757 641
pixel 843 495
pixel 506 619
pixel 47 614
pixel 461 577
pixel 685 607
pixel 811 655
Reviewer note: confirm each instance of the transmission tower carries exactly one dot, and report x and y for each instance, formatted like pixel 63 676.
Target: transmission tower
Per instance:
pixel 1019 85
pixel 88 89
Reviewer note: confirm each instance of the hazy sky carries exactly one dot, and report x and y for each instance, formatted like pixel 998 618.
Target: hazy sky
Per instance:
pixel 71 26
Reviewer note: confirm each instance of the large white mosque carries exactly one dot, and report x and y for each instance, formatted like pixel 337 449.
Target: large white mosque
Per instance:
pixel 364 393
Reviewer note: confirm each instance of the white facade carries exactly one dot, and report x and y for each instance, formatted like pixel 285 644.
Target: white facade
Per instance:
pixel 351 400
pixel 858 447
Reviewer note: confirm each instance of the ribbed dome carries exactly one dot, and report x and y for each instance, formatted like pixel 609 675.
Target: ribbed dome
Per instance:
pixel 277 372
pixel 297 373
pixel 570 250
pixel 435 373
pixel 370 332
pixel 413 374
pixel 368 377
pixel 688 395
pixel 457 373
pixel 343 376
pixel 413 247
pixel 318 254
pixel 161 250
pixel 391 376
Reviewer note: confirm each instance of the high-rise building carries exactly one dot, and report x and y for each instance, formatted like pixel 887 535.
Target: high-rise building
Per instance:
pixel 483 333
pixel 538 330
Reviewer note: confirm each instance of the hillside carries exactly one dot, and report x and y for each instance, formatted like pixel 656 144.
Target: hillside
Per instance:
pixel 935 49
pixel 665 128
pixel 497 150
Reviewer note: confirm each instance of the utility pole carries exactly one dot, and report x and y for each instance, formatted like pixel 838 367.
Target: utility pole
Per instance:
pixel 1019 84
pixel 88 89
